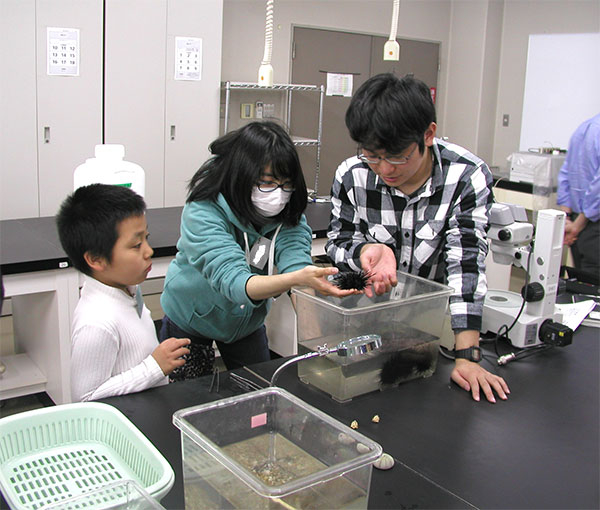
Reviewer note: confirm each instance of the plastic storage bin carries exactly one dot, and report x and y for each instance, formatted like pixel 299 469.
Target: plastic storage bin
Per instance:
pixel 126 495
pixel 270 450
pixel 56 453
pixel 409 320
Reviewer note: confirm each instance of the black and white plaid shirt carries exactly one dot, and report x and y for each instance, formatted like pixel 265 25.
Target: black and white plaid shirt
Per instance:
pixel 438 232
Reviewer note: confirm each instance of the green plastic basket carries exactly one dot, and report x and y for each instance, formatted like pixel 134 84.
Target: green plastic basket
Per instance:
pixel 56 453
pixel 125 495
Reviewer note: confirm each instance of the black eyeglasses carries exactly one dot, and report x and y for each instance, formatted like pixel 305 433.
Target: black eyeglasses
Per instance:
pixel 393 160
pixel 268 186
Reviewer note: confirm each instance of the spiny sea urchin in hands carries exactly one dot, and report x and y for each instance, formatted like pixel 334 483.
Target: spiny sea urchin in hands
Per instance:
pixel 351 280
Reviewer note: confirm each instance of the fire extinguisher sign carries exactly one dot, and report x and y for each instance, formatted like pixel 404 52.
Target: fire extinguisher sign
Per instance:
pixel 433 91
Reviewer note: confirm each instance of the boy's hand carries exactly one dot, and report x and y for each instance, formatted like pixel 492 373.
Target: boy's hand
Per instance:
pixel 379 261
pixel 169 354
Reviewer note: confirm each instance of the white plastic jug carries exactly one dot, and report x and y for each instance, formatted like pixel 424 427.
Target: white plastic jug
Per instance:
pixel 108 167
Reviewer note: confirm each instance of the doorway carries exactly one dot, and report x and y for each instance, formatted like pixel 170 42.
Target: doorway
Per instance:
pixel 316 52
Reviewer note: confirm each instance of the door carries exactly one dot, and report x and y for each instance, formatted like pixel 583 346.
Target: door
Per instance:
pixel 317 52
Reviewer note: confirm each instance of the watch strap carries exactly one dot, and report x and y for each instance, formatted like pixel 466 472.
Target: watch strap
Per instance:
pixel 471 353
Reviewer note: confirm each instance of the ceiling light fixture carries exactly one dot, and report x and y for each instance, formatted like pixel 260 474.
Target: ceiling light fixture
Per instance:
pixel 391 48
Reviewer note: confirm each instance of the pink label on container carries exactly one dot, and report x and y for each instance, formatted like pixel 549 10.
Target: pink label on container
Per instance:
pixel 258 420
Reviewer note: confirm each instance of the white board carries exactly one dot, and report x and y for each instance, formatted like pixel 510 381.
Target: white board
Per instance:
pixel 561 87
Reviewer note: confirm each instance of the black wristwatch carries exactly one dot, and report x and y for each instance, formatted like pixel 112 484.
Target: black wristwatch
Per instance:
pixel 472 354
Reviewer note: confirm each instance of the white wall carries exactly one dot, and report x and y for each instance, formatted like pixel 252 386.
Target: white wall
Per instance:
pixel 522 18
pixel 483 51
pixel 483 58
pixel 475 29
pixel 465 64
pixel 558 99
pixel 244 22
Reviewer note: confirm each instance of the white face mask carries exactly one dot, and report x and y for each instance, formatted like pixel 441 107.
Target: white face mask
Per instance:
pixel 271 203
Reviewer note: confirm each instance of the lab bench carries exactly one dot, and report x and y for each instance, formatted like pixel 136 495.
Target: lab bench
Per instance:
pixel 44 290
pixel 538 449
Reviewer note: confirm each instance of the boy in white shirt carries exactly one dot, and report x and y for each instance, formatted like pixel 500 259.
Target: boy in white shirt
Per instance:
pixel 114 348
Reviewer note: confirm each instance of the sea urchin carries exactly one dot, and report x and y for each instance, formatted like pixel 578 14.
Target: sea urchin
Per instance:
pixel 351 280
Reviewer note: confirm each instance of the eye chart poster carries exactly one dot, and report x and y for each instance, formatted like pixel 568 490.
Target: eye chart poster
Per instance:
pixel 63 51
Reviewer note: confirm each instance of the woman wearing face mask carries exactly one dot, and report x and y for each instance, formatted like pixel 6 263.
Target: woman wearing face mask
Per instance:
pixel 243 217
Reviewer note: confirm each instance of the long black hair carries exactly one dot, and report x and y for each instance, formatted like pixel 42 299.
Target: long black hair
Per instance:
pixel 238 160
pixel 390 113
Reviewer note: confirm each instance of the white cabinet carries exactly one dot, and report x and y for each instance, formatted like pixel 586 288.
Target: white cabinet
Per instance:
pixel 42 308
pixel 125 93
pixel 165 124
pixel 192 107
pixel 43 303
pixel 18 125
pixel 69 108
pixel 49 123
pixel 134 89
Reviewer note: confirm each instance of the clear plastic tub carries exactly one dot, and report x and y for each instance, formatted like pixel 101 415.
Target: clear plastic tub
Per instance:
pixel 409 320
pixel 56 453
pixel 270 450
pixel 125 495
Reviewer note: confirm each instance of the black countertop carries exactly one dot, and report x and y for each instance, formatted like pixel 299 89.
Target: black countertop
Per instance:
pixel 32 244
pixel 538 449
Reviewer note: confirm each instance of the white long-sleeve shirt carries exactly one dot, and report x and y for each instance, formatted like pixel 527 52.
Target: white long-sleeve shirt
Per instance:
pixel 111 345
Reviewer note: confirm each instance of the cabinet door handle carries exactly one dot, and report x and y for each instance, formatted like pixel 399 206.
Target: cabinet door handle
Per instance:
pixel 172 132
pixel 46 134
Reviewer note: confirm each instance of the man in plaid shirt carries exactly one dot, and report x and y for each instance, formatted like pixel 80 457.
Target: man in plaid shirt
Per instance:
pixel 412 202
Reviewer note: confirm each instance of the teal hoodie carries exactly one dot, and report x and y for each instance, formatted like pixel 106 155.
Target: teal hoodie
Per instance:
pixel 205 286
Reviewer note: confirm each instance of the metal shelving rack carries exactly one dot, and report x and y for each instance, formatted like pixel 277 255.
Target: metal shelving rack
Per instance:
pixel 230 86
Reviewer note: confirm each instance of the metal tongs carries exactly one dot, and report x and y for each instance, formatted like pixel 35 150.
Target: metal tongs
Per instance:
pixel 243 383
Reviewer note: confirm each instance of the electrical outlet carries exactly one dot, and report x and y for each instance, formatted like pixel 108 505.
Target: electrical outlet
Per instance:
pixel 247 111
pixel 259 109
pixel 268 110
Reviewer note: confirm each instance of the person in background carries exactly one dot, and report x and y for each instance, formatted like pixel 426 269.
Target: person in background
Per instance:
pixel 114 348
pixel 243 217
pixel 579 197
pixel 411 202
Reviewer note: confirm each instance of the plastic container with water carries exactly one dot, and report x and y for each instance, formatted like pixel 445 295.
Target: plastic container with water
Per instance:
pixel 270 450
pixel 409 320
pixel 109 167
